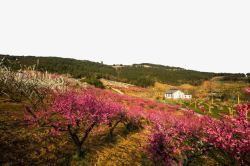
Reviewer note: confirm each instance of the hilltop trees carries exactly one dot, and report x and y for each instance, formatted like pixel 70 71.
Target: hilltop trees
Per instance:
pixel 143 82
pixel 76 68
pixel 135 74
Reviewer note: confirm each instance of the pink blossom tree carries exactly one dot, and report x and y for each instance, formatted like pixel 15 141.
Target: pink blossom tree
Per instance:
pixel 177 140
pixel 134 119
pixel 230 136
pixel 116 116
pixel 75 113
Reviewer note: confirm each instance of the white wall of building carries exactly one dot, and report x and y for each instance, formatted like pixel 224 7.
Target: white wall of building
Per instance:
pixel 177 95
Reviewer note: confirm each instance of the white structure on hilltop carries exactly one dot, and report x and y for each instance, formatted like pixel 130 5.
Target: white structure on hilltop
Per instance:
pixel 176 94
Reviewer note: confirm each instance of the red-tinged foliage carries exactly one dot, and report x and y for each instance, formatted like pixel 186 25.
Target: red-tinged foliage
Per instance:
pixel 175 140
pixel 247 90
pixel 231 135
pixel 202 109
pixel 80 113
pixel 178 140
pixel 137 109
pixel 130 101
pixel 134 118
pixel 76 113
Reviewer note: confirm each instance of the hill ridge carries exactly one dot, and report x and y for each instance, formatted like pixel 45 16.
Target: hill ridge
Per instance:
pixel 143 74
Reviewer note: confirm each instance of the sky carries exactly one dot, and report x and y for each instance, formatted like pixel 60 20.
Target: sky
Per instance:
pixel 204 35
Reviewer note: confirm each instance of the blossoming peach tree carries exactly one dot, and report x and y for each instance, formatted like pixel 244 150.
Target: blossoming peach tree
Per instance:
pixel 79 113
pixel 180 140
pixel 176 140
pixel 76 113
pixel 230 136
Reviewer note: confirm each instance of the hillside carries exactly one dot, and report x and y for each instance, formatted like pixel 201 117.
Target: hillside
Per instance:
pixel 56 119
pixel 144 74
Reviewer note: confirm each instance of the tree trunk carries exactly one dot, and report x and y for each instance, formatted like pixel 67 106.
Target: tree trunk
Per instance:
pixel 112 128
pixel 238 101
pixel 78 143
pixel 81 151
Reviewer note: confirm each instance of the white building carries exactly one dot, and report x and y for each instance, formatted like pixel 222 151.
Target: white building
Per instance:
pixel 176 94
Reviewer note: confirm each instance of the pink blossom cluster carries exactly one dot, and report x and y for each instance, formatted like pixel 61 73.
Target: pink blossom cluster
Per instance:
pixel 178 140
pixel 247 90
pixel 175 139
pixel 79 113
pixel 231 134
pixel 130 101
pixel 75 109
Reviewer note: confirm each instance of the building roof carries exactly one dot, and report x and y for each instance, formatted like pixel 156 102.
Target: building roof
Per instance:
pixel 171 91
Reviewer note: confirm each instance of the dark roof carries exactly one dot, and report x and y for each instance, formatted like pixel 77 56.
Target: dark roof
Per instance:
pixel 171 91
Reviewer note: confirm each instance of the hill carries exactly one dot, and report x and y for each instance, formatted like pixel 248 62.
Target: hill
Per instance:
pixel 144 74
pixel 53 118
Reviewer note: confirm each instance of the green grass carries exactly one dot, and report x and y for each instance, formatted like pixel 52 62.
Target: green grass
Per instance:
pixel 216 112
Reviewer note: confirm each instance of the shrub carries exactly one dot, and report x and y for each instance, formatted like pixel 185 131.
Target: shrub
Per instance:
pixel 27 85
pixel 19 86
pixel 94 81
pixel 143 82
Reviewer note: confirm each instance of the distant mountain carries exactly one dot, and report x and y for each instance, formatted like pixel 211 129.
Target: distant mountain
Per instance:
pixel 144 74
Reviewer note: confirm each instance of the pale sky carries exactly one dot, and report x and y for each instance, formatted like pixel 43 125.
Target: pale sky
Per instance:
pixel 205 35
